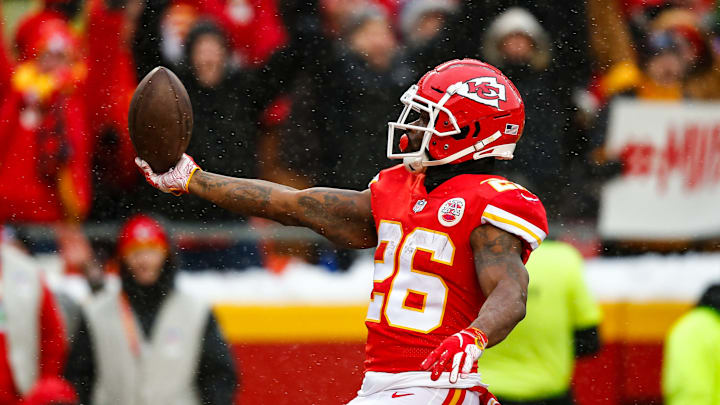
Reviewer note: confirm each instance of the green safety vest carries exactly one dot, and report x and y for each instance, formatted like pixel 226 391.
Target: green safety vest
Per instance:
pixel 536 360
pixel 691 364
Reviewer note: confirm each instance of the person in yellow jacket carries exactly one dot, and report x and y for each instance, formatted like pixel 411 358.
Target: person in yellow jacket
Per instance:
pixel 691 363
pixel 534 364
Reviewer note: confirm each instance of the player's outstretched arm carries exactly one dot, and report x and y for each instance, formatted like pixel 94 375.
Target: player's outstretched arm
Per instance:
pixel 503 279
pixel 342 216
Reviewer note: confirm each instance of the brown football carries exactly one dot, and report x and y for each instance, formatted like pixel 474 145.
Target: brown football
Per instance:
pixel 160 119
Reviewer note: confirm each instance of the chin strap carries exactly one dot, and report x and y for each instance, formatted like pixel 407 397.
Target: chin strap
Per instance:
pixel 415 164
pixel 504 152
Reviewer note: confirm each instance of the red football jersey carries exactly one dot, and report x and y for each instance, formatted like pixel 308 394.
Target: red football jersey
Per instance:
pixel 425 284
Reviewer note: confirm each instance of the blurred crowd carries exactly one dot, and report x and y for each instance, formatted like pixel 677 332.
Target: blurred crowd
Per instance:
pixel 300 91
pixel 294 91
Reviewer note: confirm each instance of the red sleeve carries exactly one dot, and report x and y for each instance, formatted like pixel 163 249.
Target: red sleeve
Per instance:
pixel 519 212
pixel 53 347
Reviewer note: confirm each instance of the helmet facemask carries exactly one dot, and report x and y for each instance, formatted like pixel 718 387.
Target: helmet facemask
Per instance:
pixel 416 160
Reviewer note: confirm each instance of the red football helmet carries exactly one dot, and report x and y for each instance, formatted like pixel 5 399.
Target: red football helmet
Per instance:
pixel 474 112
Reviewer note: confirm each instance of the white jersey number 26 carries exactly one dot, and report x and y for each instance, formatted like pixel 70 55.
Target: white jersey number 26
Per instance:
pixel 429 288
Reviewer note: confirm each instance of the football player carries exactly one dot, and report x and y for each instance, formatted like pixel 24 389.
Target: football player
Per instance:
pixel 451 238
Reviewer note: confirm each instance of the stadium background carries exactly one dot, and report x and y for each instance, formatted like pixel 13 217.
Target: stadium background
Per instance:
pixel 293 306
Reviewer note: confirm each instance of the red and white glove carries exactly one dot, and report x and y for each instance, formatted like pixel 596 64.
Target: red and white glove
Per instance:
pixel 175 180
pixel 464 347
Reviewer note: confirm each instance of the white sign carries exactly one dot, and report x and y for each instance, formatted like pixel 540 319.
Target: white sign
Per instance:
pixel 670 187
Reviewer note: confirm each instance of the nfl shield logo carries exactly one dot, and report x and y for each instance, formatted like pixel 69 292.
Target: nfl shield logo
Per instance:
pixel 419 206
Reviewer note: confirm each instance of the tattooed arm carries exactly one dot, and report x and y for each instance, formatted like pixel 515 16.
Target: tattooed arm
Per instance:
pixel 342 216
pixel 503 279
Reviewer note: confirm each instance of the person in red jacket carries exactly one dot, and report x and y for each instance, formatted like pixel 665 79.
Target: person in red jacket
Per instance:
pixel 44 144
pixel 32 337
pixel 43 138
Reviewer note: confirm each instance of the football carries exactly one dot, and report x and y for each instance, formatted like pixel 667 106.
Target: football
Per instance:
pixel 160 119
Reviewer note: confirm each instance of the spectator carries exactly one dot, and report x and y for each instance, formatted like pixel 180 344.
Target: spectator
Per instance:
pixel 32 340
pixel 43 133
pixel 253 27
pixel 228 107
pixel 688 27
pixel 691 362
pixel 517 44
pixel 226 122
pixel 534 365
pixel 348 100
pixel 148 342
pixel 568 37
pixel 658 76
pixel 336 12
pixel 44 147
pixel 368 35
pixel 177 21
pixel 225 126
pixel 422 20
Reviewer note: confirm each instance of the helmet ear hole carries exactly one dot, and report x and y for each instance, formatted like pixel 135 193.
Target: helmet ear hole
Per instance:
pixel 477 130
pixel 462 134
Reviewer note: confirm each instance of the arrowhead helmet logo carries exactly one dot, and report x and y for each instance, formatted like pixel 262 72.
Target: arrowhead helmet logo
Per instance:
pixel 484 90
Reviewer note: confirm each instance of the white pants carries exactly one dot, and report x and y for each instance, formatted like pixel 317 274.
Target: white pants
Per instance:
pixel 419 396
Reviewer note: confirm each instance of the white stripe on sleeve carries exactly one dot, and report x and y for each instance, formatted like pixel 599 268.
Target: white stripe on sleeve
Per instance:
pixel 513 224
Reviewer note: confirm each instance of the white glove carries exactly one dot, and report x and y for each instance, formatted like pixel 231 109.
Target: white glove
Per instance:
pixel 175 180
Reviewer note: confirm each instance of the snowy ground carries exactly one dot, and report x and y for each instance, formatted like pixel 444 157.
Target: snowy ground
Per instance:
pixel 644 278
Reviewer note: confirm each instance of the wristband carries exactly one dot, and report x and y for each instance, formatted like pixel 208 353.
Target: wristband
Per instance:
pixel 481 339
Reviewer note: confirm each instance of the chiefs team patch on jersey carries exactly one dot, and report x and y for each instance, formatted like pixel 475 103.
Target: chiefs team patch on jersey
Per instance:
pixel 451 212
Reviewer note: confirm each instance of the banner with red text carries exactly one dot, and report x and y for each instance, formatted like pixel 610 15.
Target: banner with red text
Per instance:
pixel 670 186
